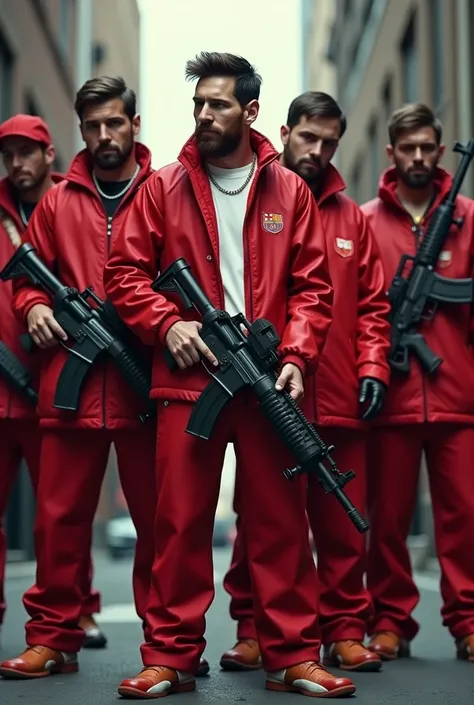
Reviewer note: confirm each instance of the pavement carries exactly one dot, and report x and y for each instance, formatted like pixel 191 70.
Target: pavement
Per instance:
pixel 431 677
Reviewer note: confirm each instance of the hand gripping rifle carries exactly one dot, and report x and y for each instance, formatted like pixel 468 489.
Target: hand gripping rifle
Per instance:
pixel 250 359
pixel 94 328
pixel 16 374
pixel 416 297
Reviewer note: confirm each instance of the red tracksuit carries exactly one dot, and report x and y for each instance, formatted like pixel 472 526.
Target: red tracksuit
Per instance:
pixel 286 281
pixel 19 431
pixel 70 231
pixel 431 413
pixel 356 347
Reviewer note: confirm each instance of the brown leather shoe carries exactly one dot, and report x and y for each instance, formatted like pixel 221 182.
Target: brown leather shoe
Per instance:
pixel 465 648
pixel 389 646
pixel 244 656
pixel 95 638
pixel 38 662
pixel 156 682
pixel 350 655
pixel 203 668
pixel 310 679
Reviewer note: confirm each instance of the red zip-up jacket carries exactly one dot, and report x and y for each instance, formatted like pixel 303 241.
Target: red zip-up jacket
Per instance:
pixel 14 405
pixel 358 340
pixel 69 230
pixel 448 395
pixel 285 267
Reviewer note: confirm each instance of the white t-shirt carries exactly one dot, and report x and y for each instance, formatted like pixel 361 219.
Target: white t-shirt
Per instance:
pixel 230 211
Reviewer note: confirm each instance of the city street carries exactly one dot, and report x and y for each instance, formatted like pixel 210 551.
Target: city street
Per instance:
pixel 431 677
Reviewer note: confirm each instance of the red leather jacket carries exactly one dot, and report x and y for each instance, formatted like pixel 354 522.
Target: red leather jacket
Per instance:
pixel 14 405
pixel 69 230
pixel 286 276
pixel 358 339
pixel 448 395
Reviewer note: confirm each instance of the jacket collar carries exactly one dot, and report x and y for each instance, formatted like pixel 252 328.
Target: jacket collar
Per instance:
pixel 266 152
pixel 80 169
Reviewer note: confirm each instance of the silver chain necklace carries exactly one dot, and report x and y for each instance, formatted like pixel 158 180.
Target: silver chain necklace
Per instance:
pixel 117 195
pixel 244 185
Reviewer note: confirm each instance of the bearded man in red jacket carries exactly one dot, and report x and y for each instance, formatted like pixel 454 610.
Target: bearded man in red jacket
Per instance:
pixel 213 208
pixel 423 412
pixel 348 388
pixel 28 154
pixel 72 229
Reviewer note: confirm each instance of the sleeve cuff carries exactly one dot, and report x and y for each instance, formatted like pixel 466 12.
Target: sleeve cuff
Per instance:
pixel 295 360
pixel 165 326
pixel 37 298
pixel 372 369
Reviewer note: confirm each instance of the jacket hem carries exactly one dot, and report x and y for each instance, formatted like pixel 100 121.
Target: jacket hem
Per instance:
pixel 169 394
pixel 405 420
pixel 89 423
pixel 341 422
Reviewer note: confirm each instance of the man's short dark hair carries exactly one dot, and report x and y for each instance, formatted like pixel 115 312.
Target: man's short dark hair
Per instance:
pixel 315 104
pixel 413 116
pixel 212 63
pixel 102 89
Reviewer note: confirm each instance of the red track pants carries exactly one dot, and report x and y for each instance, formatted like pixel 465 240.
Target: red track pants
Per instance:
pixel 281 564
pixel 394 465
pixel 20 439
pixel 344 602
pixel 72 468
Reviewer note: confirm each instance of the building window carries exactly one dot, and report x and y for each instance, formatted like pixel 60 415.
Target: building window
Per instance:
pixel 373 136
pixel 437 45
pixel 387 97
pixel 361 51
pixel 409 56
pixel 66 9
pixel 6 80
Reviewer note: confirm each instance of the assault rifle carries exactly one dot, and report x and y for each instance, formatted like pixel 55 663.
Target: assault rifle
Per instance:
pixel 416 296
pixel 95 328
pixel 16 374
pixel 250 359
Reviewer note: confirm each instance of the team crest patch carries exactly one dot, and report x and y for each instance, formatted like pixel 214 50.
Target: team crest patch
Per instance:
pixel 344 248
pixel 445 258
pixel 272 222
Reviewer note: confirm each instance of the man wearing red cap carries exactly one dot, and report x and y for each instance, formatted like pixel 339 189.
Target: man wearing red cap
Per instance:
pixel 28 154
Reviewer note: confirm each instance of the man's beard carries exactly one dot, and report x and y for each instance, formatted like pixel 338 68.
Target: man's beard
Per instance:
pixel 313 179
pixel 32 182
pixel 114 159
pixel 419 180
pixel 214 144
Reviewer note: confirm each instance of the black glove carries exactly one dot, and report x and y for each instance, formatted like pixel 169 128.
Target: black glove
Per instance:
pixel 373 391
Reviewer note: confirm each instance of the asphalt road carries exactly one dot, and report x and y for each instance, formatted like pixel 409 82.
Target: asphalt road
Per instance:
pixel 431 677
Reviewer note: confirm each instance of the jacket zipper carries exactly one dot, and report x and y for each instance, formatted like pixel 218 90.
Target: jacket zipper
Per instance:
pixel 419 233
pixel 247 265
pixel 104 388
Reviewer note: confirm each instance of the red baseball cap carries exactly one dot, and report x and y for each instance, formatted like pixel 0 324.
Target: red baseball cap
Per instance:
pixel 30 126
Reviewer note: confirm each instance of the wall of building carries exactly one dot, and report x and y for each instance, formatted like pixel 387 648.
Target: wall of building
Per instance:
pixel 116 40
pixel 386 53
pixel 36 75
